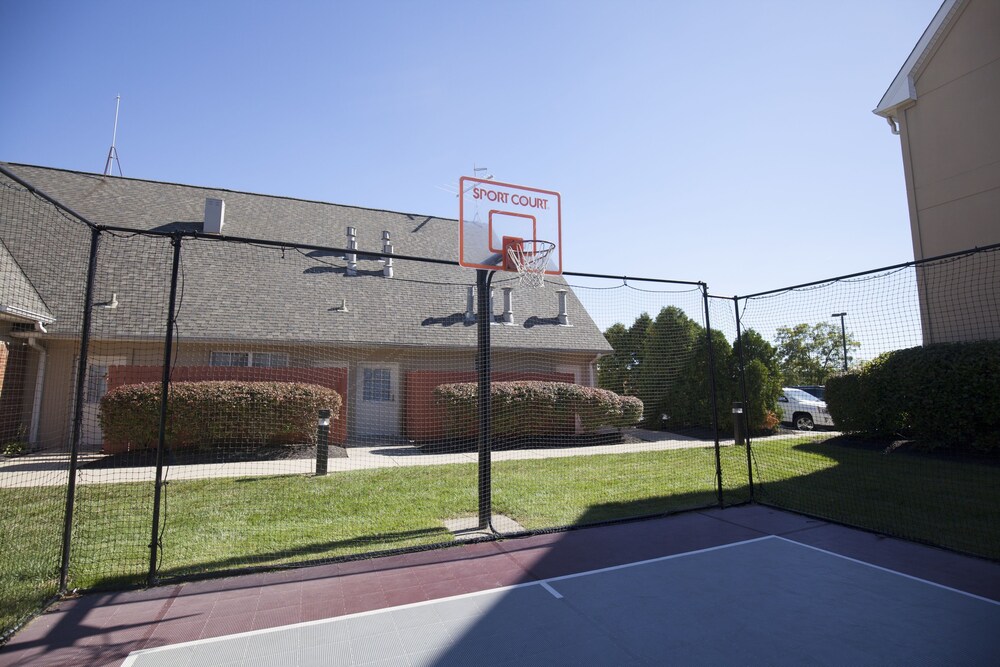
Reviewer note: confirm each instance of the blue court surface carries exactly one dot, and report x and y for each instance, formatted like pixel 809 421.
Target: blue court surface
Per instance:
pixel 766 601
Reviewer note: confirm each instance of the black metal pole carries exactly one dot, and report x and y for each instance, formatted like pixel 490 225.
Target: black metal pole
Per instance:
pixel 743 395
pixel 483 279
pixel 843 338
pixel 81 379
pixel 322 442
pixel 164 389
pixel 715 403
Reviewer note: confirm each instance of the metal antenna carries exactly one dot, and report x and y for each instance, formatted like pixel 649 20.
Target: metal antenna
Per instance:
pixel 475 172
pixel 113 152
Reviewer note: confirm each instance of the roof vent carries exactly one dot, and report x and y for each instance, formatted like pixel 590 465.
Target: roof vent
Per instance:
pixel 352 255
pixel 215 216
pixel 563 316
pixel 508 305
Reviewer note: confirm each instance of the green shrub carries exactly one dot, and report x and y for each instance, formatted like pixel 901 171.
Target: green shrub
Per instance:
pixel 946 394
pixel 18 445
pixel 535 408
pixel 215 413
pixel 13 448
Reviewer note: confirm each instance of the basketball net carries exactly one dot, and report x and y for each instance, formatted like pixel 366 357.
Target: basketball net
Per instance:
pixel 530 258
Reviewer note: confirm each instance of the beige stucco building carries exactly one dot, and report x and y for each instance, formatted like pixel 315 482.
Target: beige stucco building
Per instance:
pixel 945 106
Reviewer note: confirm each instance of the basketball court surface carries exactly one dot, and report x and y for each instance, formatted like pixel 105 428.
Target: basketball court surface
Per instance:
pixel 746 585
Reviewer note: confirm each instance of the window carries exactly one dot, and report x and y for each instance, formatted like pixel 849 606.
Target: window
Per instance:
pixel 269 359
pixel 230 359
pixel 255 359
pixel 377 384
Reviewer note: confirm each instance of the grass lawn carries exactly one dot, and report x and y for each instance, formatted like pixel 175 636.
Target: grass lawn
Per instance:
pixel 949 503
pixel 219 524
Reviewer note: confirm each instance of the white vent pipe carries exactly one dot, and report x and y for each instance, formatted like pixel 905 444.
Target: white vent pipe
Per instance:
pixel 508 309
pixel 387 255
pixel 563 316
pixel 352 257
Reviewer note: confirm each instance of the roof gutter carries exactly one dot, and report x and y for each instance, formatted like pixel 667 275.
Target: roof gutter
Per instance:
pixel 26 314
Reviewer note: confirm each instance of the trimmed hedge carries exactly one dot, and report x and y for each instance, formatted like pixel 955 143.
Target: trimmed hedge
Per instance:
pixel 944 395
pixel 535 408
pixel 215 413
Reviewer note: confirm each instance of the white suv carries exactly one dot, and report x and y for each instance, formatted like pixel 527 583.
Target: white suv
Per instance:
pixel 802 409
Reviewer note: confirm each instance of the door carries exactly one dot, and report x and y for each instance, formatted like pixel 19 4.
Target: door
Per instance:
pixel 94 388
pixel 377 400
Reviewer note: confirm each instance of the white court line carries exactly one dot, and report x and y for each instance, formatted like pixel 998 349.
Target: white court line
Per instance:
pixel 556 594
pixel 890 571
pixel 544 583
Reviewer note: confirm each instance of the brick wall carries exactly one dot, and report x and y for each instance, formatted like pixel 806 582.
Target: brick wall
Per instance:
pixel 13 365
pixel 332 378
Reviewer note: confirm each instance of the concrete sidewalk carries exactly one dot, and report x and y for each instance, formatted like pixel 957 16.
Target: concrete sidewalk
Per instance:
pixel 53 469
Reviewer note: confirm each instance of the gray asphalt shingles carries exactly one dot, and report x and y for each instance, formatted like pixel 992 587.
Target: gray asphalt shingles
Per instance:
pixel 246 292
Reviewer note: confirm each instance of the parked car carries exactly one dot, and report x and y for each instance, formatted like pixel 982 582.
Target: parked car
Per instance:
pixel 803 410
pixel 817 391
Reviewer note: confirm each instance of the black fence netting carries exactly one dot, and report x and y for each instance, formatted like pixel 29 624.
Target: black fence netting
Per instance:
pixel 907 362
pixel 43 269
pixel 629 434
pixel 324 391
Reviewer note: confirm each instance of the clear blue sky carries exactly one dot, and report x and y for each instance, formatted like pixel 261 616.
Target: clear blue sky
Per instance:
pixel 731 142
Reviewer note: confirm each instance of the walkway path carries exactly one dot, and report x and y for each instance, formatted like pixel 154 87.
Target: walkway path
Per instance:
pixel 52 469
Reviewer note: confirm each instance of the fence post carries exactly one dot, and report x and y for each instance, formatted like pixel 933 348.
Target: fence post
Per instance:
pixel 715 403
pixel 484 315
pixel 743 394
pixel 164 389
pixel 81 379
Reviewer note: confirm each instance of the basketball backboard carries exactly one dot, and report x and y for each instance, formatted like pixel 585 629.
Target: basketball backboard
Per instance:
pixel 492 214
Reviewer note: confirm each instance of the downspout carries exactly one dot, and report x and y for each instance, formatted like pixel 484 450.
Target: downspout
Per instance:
pixel 36 404
pixel 592 370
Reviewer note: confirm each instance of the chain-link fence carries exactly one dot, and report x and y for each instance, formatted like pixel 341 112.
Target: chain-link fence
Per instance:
pixel 323 367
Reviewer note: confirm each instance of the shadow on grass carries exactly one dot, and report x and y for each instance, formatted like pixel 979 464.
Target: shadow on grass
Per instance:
pixel 301 554
pixel 950 501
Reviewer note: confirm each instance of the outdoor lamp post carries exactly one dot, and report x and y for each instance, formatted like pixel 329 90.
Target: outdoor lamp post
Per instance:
pixel 322 441
pixel 843 336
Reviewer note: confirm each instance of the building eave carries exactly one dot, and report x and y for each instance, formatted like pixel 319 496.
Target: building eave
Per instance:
pixel 902 92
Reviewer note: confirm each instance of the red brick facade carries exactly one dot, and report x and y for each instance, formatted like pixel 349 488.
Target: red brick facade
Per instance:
pixel 13 365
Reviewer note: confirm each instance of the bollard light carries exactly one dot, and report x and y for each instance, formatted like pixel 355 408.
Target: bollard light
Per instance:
pixel 322 441
pixel 739 433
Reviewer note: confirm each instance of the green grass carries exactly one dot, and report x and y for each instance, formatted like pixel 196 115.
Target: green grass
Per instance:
pixel 950 503
pixel 221 524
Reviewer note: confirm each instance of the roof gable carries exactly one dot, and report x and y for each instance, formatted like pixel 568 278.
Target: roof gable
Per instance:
pixel 18 298
pixel 902 92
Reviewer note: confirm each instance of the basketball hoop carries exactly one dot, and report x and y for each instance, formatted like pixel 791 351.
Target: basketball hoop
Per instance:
pixel 530 258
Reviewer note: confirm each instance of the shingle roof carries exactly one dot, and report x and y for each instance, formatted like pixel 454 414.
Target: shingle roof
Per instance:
pixel 18 297
pixel 244 292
